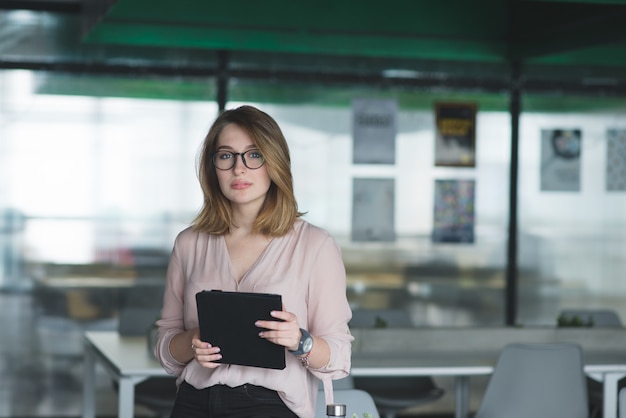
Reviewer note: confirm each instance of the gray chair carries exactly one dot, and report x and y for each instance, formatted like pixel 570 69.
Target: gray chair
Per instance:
pixel 157 394
pixel 393 394
pixel 345 383
pixel 357 402
pixel 598 318
pixel 538 381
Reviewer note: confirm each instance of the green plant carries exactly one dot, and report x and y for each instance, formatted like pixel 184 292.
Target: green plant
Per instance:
pixel 574 321
pixel 379 323
pixel 365 415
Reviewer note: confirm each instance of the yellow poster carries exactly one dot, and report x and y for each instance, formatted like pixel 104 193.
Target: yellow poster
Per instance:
pixel 455 144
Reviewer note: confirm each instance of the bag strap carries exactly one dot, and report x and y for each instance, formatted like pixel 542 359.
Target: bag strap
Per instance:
pixel 328 390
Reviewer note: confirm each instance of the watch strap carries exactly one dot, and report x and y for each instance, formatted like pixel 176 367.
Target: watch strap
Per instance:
pixel 300 351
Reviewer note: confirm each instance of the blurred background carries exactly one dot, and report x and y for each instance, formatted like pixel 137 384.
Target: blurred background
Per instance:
pixel 104 105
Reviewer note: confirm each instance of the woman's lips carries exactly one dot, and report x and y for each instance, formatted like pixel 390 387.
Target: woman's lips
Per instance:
pixel 239 185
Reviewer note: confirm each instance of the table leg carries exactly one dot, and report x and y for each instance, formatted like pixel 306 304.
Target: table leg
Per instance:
pixel 610 389
pixel 126 398
pixel 462 397
pixel 89 388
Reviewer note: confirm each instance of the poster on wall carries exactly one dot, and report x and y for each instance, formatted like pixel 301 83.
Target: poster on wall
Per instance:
pixel 455 139
pixel 374 123
pixel 560 160
pixel 616 160
pixel 454 211
pixel 373 209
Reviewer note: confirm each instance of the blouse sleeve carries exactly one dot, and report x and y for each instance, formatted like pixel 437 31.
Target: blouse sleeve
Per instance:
pixel 172 315
pixel 328 309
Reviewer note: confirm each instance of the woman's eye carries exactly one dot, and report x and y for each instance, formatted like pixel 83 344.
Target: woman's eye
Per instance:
pixel 254 154
pixel 225 156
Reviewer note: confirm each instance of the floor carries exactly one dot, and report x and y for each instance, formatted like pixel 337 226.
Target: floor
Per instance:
pixel 41 367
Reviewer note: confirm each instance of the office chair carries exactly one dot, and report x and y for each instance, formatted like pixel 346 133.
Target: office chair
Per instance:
pixel 598 318
pixel 397 393
pixel 537 380
pixel 157 394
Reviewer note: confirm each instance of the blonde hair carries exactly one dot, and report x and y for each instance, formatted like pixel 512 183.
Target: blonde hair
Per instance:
pixel 280 209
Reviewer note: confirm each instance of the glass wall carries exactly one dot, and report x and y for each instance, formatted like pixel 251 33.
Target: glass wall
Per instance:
pixel 437 284
pixel 94 178
pixel 96 187
pixel 572 229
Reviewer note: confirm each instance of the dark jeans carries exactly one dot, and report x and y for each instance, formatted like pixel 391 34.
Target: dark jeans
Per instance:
pixel 246 401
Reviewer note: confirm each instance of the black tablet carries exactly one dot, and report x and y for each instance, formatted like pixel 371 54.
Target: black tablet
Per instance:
pixel 227 320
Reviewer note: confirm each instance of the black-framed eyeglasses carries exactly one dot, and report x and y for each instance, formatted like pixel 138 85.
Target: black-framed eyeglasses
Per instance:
pixel 225 160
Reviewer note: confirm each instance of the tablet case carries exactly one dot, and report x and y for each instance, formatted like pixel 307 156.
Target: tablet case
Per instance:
pixel 227 320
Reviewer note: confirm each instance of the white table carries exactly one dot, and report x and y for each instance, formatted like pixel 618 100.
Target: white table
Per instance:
pixel 607 367
pixel 129 362
pixel 461 367
pixel 126 359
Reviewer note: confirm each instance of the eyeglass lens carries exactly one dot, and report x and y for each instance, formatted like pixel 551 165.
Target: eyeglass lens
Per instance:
pixel 225 160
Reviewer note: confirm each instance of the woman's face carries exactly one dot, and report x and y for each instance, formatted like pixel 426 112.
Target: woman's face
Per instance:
pixel 240 184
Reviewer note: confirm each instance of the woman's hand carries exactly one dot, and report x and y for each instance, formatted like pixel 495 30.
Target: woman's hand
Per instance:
pixel 285 331
pixel 205 354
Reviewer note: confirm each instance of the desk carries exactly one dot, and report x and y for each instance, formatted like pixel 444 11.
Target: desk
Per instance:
pixel 126 359
pixel 607 367
pixel 128 362
pixel 461 367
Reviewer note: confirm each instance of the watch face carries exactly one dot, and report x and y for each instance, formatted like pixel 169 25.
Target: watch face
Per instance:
pixel 307 344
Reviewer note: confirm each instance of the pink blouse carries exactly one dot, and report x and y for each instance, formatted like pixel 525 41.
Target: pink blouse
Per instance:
pixel 304 266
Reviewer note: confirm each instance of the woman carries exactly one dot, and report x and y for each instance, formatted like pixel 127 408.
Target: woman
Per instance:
pixel 249 237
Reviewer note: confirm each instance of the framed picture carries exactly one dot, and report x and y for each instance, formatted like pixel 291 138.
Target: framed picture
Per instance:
pixel 561 150
pixel 374 131
pixel 455 142
pixel 616 160
pixel 373 210
pixel 454 211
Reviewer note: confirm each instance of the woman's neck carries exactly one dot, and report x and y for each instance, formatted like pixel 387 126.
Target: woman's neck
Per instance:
pixel 243 221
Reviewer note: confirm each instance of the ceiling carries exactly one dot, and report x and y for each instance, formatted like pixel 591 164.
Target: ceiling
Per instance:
pixel 591 31
pixel 265 48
